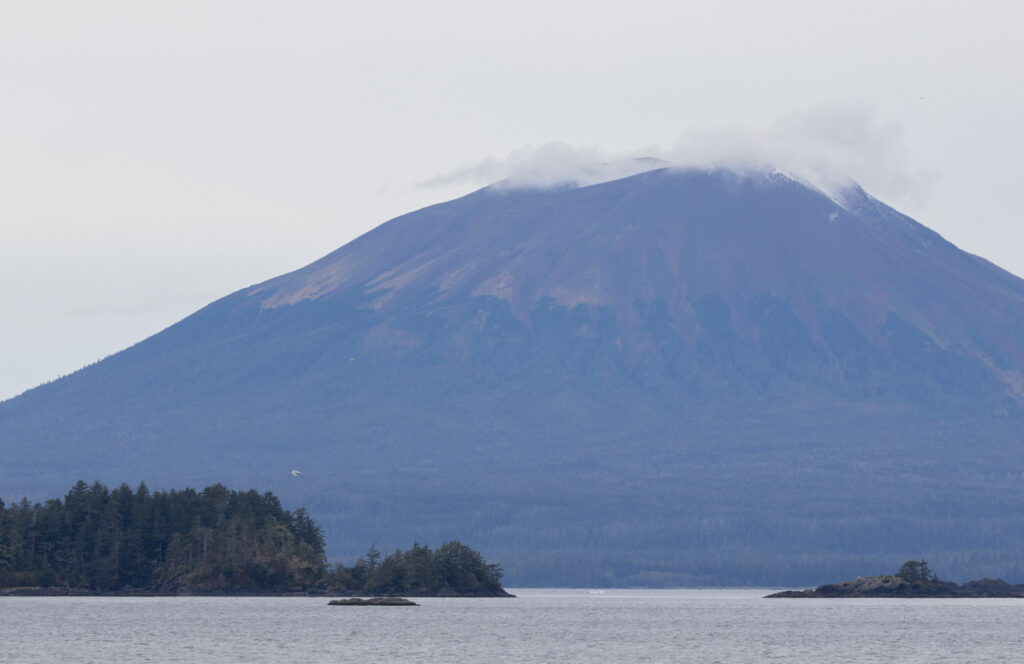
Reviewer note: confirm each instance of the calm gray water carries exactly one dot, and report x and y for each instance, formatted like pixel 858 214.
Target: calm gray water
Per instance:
pixel 538 626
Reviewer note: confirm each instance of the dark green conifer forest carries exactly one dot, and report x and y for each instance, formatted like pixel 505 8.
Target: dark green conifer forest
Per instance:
pixel 451 569
pixel 210 541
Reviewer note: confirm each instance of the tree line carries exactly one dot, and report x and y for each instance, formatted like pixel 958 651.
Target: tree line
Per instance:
pixel 110 540
pixel 451 569
pixel 215 540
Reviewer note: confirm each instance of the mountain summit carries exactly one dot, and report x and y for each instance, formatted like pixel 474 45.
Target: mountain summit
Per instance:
pixel 779 277
pixel 681 376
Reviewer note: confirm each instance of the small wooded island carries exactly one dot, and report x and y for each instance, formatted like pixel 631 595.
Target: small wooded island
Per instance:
pixel 914 579
pixel 210 542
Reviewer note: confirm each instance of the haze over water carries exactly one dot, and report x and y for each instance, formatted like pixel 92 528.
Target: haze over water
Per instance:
pixel 570 625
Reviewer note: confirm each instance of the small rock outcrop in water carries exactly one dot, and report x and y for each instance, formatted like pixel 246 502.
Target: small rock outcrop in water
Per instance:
pixel 373 601
pixel 913 580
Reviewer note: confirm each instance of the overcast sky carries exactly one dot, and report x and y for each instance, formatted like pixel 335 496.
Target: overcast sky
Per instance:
pixel 157 156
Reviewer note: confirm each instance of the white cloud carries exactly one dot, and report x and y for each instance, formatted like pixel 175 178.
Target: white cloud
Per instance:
pixel 550 165
pixel 827 146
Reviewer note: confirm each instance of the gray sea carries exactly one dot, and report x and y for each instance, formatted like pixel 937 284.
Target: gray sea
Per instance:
pixel 717 625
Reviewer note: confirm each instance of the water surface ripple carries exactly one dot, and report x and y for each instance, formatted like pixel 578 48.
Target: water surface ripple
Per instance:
pixel 539 626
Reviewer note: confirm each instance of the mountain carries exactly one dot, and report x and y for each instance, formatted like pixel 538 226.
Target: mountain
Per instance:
pixel 678 377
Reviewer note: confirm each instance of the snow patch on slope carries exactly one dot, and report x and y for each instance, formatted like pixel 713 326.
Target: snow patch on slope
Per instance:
pixel 840 189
